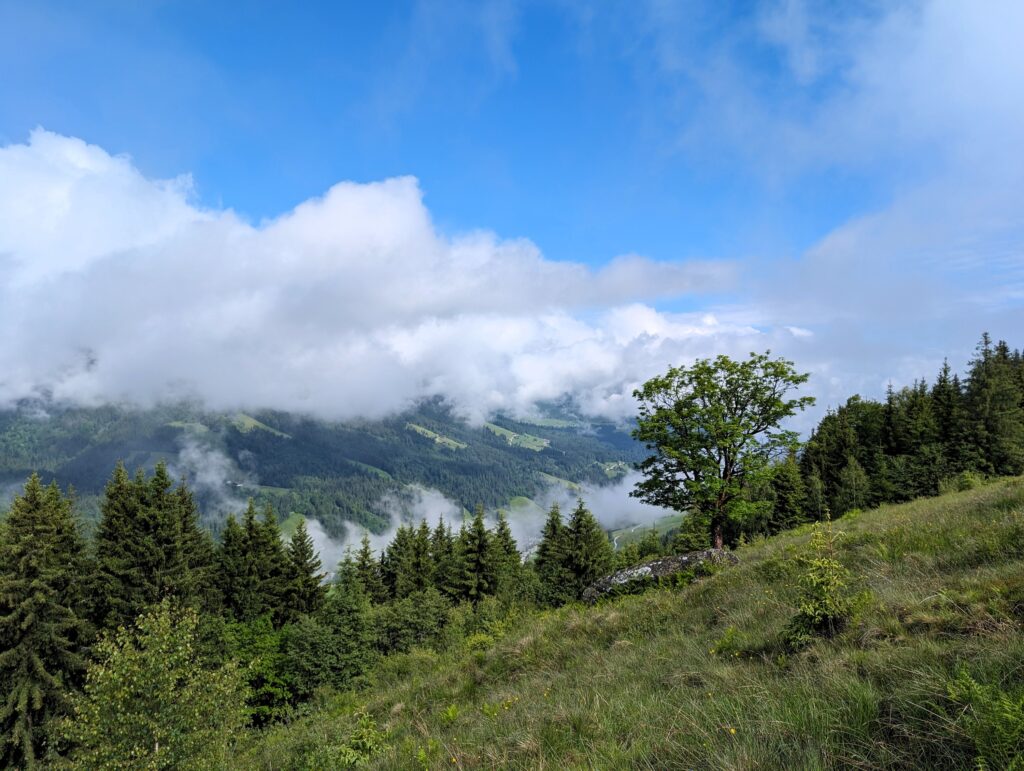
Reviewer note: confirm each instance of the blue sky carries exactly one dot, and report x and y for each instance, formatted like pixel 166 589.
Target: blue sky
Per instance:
pixel 556 122
pixel 569 194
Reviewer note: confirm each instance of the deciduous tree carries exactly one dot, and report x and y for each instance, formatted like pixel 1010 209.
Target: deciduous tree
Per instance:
pixel 712 428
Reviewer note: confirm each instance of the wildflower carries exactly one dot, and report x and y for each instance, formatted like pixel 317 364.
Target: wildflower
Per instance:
pixel 732 730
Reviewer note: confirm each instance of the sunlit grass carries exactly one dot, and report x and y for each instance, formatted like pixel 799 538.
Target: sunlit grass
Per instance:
pixel 702 677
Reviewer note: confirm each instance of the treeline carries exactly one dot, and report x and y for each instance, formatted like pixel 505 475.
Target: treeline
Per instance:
pixel 105 644
pixel 922 440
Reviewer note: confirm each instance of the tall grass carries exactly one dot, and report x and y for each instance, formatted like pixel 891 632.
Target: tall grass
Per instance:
pixel 703 677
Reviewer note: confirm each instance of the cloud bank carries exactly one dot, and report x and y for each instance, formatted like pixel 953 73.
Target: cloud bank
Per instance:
pixel 114 286
pixel 353 304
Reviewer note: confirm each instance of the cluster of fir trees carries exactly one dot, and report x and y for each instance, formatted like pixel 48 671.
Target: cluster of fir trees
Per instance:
pixel 571 556
pixel 252 598
pixel 59 594
pixel 427 579
pixel 921 439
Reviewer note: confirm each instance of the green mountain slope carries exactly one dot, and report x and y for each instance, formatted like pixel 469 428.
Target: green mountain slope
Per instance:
pixel 930 673
pixel 336 472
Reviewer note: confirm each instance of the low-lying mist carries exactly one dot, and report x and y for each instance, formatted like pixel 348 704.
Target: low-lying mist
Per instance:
pixel 611 504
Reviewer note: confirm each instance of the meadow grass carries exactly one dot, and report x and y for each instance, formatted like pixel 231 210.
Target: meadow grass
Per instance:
pixel 441 439
pixel 703 676
pixel 246 423
pixel 526 441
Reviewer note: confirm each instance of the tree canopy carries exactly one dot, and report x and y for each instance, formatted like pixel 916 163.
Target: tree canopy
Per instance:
pixel 713 428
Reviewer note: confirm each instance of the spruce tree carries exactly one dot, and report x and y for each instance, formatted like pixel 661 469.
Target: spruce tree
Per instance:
pixel 254 572
pixel 816 502
pixel 41 633
pixel 397 564
pixel 422 566
pixel 368 569
pixel 198 549
pixel 505 555
pixel 236 579
pixel 948 405
pixel 853 488
pixel 590 552
pixel 478 569
pixel 147 546
pixel 551 562
pixel 789 496
pixel 996 410
pixel 306 590
pixel 447 562
pixel 271 564
pixel 650 545
pixel 346 614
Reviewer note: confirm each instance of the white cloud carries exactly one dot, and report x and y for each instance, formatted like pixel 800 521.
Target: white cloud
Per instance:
pixel 118 287
pixel 114 286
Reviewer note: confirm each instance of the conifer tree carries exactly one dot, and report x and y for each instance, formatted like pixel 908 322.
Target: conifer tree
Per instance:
pixel 255 573
pixel 306 591
pixel 590 552
pixel 447 562
pixel 276 573
pixel 650 545
pixel 346 614
pixel 41 633
pixel 397 564
pixel 789 494
pixel 368 569
pixel 948 405
pixel 816 503
pixel 236 578
pixel 996 406
pixel 422 566
pixel 627 556
pixel 332 646
pixel 853 488
pixel 148 546
pixel 551 562
pixel 271 564
pixel 478 569
pixel 198 549
pixel 505 555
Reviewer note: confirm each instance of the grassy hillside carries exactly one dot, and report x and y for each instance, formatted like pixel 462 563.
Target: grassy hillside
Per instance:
pixel 930 673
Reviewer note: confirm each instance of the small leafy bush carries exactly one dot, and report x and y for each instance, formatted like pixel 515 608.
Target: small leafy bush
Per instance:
pixel 958 483
pixel 366 741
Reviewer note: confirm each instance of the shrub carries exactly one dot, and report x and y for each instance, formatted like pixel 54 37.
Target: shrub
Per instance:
pixel 366 741
pixel 150 703
pixel 958 483
pixel 826 600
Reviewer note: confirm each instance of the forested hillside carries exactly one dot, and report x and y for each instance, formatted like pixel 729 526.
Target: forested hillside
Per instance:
pixel 334 472
pixel 844 637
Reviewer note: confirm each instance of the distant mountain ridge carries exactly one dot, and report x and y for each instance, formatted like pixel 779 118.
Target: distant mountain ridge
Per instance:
pixel 335 472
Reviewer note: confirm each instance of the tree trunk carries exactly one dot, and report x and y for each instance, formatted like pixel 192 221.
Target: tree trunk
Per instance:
pixel 716 534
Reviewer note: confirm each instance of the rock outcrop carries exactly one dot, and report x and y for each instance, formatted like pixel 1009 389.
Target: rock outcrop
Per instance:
pixel 666 569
